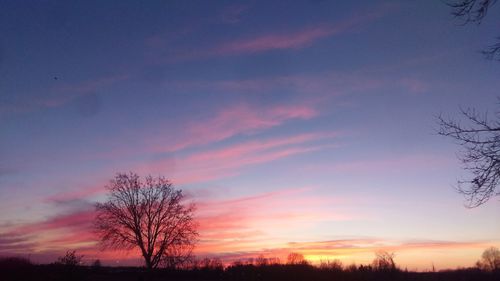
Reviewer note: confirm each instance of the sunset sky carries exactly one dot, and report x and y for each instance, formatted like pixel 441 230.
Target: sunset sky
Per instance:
pixel 295 126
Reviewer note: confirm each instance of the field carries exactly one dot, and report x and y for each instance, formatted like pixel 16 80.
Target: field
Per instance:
pixel 25 271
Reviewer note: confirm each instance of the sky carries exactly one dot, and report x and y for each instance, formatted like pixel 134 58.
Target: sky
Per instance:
pixel 295 126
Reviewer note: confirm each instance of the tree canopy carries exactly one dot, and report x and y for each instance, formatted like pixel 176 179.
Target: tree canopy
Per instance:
pixel 149 215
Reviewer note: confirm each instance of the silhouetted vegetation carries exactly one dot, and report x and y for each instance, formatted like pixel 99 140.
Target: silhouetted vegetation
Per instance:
pixel 71 259
pixel 296 259
pixel 14 263
pixel 490 260
pixel 384 261
pixel 474 11
pixel 480 140
pixel 382 268
pixel 149 215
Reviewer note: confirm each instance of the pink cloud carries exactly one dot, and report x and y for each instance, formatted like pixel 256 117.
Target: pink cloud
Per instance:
pixel 293 40
pixel 263 43
pixel 80 193
pixel 232 159
pixel 254 216
pixel 240 228
pixel 213 164
pixel 78 220
pixel 241 119
pixel 246 224
pixel 251 147
pixel 280 40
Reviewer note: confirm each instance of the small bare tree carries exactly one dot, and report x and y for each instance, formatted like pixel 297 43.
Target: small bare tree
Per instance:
pixel 384 261
pixel 149 215
pixel 295 258
pixel 490 259
pixel 70 259
pixel 480 140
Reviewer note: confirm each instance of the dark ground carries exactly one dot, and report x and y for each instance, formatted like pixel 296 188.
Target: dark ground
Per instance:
pixel 25 271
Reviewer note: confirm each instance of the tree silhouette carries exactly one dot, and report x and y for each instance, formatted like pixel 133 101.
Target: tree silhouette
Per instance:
pixel 149 215
pixel 480 140
pixel 70 259
pixel 384 261
pixel 474 11
pixel 261 261
pixel 490 259
pixel 295 258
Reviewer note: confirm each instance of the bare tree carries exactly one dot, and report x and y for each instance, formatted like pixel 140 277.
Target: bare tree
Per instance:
pixel 474 11
pixel 490 259
pixel 295 258
pixel 384 261
pixel 480 140
pixel 261 260
pixel 335 265
pixel 70 259
pixel 149 215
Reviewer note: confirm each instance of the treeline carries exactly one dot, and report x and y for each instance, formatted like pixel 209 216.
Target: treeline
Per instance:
pixel 212 269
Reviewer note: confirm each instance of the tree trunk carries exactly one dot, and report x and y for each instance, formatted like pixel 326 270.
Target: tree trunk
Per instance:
pixel 149 265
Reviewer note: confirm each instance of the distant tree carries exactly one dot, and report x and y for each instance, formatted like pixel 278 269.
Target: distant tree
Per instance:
pixel 17 263
pixel 210 264
pixel 274 260
pixel 490 259
pixel 148 215
pixel 384 261
pixel 351 268
pixel 295 258
pixel 474 11
pixel 480 140
pixel 96 264
pixel 335 265
pixel 70 259
pixel 261 261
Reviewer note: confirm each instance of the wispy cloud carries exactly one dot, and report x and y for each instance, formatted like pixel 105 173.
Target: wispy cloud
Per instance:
pixel 230 160
pixel 274 39
pixel 293 40
pixel 77 220
pixel 254 217
pixel 207 163
pixel 240 119
pixel 212 164
pixel 16 243
pixel 80 193
pixel 56 233
pixel 247 222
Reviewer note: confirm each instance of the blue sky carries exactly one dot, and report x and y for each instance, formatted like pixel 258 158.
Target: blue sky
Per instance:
pixel 310 122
